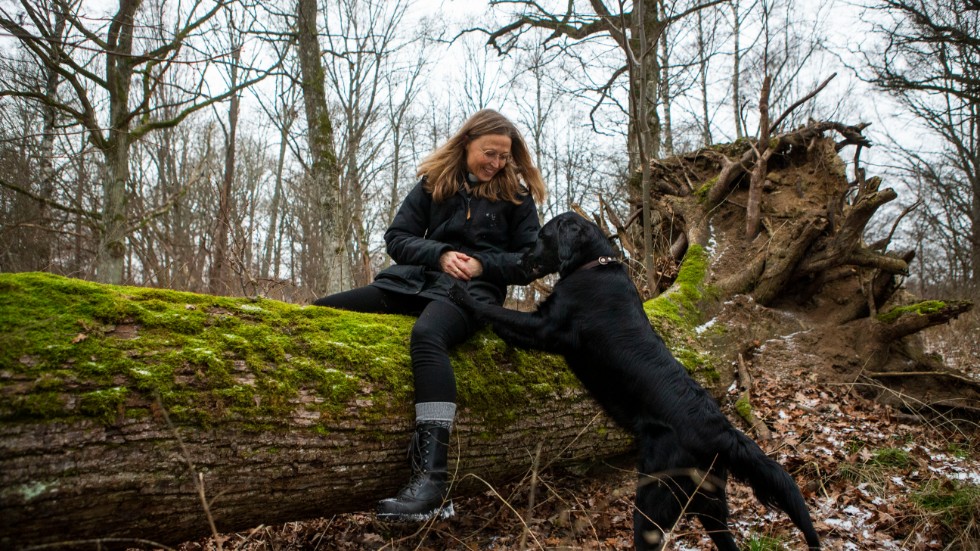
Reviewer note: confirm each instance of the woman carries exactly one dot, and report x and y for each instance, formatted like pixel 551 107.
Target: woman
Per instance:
pixel 468 219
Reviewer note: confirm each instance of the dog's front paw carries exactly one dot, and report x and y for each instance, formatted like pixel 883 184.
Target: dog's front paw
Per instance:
pixel 458 294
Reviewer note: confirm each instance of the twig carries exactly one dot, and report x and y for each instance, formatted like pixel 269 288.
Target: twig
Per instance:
pixel 755 424
pixel 886 374
pixel 801 101
pixel 504 501
pixel 530 497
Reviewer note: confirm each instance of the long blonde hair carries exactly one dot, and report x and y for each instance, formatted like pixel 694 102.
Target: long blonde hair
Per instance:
pixel 446 166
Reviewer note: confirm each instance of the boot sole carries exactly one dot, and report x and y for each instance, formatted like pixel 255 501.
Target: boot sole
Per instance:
pixel 443 512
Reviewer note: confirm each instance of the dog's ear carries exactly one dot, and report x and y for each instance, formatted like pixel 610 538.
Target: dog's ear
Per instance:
pixel 568 236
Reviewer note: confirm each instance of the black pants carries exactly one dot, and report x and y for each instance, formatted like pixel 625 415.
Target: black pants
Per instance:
pixel 441 325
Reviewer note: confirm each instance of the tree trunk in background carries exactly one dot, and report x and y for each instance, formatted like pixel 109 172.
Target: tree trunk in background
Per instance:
pixel 111 254
pixel 114 401
pixel 667 131
pixel 975 250
pixel 218 279
pixel 42 247
pixel 704 61
pixel 736 71
pixel 753 206
pixel 270 262
pixel 647 88
pixel 333 271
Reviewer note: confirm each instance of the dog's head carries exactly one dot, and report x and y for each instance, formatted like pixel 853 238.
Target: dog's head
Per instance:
pixel 566 242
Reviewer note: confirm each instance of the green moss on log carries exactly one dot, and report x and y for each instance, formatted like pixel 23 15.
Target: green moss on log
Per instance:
pixel 676 314
pixel 76 349
pixel 704 189
pixel 744 408
pixel 71 348
pixel 919 308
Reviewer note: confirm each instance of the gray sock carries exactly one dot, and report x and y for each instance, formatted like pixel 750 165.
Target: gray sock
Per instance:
pixel 439 413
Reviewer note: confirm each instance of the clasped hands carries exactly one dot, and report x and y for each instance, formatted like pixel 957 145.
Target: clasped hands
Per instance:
pixel 459 265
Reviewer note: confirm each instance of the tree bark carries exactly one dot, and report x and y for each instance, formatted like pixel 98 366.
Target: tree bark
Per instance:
pixel 111 254
pixel 116 401
pixel 762 153
pixel 218 280
pixel 333 265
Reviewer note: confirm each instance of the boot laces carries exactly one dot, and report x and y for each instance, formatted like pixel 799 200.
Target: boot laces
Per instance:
pixel 420 441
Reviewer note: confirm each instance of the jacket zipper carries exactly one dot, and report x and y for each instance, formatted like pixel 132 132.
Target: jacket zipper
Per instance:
pixel 466 197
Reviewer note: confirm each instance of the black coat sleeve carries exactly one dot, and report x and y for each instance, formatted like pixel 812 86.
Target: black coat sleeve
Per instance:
pixel 405 239
pixel 504 266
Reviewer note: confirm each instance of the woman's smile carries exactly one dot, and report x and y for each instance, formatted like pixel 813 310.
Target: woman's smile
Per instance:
pixel 487 155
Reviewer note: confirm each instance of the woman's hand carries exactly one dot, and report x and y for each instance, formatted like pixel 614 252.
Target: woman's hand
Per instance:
pixel 461 266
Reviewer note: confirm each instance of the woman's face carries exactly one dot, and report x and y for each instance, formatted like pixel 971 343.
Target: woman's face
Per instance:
pixel 487 155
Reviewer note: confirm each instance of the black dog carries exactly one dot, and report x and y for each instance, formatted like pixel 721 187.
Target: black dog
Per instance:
pixel 595 319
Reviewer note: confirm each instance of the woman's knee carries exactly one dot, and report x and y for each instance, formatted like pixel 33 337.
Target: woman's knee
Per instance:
pixel 442 326
pixel 429 336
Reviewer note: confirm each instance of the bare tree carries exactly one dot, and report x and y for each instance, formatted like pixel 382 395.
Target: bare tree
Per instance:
pixel 129 113
pixel 481 80
pixel 28 174
pixel 539 99
pixel 282 113
pixel 736 99
pixel 928 59
pixel 370 58
pixel 218 278
pixel 575 27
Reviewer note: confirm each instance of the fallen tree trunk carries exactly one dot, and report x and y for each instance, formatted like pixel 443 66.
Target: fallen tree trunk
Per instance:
pixel 131 413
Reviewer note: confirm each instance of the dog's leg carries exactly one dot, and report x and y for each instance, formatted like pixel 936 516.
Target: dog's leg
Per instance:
pixel 711 508
pixel 517 337
pixel 659 501
pixel 523 329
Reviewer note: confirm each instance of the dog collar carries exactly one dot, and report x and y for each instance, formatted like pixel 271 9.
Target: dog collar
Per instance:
pixel 601 261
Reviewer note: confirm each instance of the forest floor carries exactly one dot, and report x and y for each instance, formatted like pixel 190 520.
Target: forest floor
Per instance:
pixel 874 478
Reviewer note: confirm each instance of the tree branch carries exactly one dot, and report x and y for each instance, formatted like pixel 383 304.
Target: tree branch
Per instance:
pixel 94 216
pixel 801 101
pixel 906 320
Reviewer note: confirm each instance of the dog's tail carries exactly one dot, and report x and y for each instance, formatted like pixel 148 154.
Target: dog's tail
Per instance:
pixel 772 485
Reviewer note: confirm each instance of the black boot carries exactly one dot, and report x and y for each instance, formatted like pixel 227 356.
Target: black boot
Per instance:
pixel 425 495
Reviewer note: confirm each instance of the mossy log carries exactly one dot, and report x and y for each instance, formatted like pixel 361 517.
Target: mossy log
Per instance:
pixel 121 406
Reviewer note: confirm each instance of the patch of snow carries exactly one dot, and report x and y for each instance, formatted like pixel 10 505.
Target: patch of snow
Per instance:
pixel 705 326
pixel 841 524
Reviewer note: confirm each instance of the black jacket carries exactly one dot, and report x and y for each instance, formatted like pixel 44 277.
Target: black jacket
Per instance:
pixel 496 233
